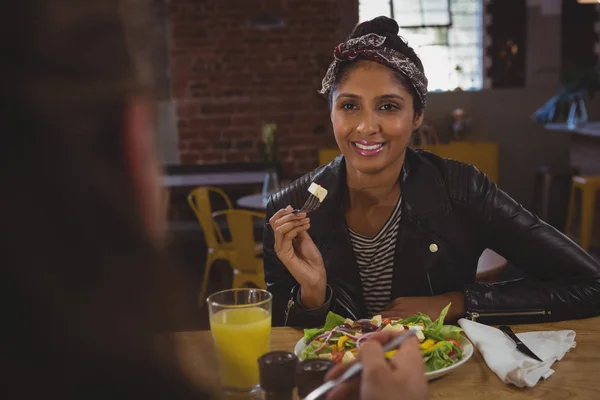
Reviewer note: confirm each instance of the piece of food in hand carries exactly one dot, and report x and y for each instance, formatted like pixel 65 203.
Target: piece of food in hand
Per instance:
pixel 340 338
pixel 319 191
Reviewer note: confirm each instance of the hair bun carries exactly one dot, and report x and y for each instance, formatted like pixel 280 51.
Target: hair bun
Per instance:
pixel 383 26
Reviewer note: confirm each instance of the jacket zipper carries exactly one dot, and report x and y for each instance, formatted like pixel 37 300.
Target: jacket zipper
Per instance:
pixel 473 315
pixel 430 287
pixel 290 304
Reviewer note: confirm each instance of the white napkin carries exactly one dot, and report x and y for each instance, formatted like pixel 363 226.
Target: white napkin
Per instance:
pixel 511 366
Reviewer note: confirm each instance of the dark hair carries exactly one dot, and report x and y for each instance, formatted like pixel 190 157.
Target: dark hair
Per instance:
pixel 84 286
pixel 389 28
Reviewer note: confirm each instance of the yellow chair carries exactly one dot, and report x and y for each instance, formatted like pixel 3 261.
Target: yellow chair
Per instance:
pixel 218 248
pixel 589 185
pixel 482 155
pixel 327 155
pixel 248 266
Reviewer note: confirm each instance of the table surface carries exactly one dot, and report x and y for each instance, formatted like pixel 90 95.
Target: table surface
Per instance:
pixel 253 201
pixel 576 374
pixel 588 129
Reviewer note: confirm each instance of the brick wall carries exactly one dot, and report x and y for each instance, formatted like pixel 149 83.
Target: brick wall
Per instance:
pixel 230 70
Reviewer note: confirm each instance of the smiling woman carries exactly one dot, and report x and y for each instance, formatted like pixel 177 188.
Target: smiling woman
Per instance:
pixel 402 230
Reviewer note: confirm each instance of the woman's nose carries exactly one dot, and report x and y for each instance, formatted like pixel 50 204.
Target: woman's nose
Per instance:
pixel 368 124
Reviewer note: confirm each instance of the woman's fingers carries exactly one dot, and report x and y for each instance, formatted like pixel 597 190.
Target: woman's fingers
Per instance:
pixel 285 215
pixel 285 234
pixel 282 230
pixel 279 214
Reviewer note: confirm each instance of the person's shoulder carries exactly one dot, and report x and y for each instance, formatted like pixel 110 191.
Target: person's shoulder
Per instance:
pixel 463 181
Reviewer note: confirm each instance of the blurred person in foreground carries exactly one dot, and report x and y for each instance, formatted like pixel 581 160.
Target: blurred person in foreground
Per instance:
pixel 86 284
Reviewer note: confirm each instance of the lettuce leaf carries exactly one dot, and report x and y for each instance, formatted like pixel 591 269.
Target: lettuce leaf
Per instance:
pixel 438 358
pixel 415 319
pixel 310 334
pixel 438 331
pixel 333 320
pixel 450 332
pixel 309 351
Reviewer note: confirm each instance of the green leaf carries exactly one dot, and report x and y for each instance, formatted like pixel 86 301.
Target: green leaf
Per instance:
pixel 450 332
pixel 309 334
pixel 438 358
pixel 415 319
pixel 438 331
pixel 333 320
pixel 309 351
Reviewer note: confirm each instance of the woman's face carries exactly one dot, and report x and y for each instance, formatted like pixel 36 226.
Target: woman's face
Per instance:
pixel 373 117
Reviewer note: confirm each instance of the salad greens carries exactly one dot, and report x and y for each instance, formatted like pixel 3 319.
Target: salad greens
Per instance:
pixel 340 338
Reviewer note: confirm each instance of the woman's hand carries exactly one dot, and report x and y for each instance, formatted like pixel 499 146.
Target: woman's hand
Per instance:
pixel 403 307
pixel 402 377
pixel 300 255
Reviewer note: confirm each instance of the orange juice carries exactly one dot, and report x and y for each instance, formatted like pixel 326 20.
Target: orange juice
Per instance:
pixel 241 336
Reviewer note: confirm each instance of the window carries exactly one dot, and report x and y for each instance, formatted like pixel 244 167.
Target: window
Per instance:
pixel 446 34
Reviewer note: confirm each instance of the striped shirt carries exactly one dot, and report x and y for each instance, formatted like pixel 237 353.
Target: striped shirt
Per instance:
pixel 375 260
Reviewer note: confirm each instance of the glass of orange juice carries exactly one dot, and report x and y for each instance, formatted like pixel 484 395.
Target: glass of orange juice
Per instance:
pixel 240 321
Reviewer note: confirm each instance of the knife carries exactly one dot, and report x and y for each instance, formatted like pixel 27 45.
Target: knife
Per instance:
pixel 520 345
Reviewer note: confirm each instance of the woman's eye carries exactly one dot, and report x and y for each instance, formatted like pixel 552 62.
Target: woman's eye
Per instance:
pixel 389 107
pixel 348 107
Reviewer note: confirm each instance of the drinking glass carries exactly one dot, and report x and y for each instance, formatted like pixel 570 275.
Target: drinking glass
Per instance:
pixel 240 322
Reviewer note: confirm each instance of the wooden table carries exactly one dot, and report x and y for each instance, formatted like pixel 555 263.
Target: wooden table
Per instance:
pixel 576 376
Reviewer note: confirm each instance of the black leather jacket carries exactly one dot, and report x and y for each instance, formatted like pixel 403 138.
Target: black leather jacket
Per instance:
pixel 456 207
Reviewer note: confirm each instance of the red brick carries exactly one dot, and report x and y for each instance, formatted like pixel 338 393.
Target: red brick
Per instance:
pixel 210 158
pixel 188 158
pixel 228 78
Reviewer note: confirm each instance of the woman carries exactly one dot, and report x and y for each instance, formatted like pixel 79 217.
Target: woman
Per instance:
pixel 401 230
pixel 85 283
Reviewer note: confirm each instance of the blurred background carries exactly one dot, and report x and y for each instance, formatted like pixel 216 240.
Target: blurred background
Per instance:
pixel 512 85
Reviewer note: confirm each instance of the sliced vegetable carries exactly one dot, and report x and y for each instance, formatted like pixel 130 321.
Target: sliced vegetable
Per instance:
pixel 427 344
pixel 340 342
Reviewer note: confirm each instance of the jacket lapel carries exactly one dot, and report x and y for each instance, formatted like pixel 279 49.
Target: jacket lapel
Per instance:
pixel 328 223
pixel 424 196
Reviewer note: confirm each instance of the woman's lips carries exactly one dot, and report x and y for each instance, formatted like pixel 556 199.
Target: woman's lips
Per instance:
pixel 367 149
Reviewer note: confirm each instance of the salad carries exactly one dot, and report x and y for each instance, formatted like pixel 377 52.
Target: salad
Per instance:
pixel 340 338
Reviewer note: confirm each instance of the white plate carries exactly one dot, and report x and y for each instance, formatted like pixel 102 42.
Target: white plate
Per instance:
pixel 466 345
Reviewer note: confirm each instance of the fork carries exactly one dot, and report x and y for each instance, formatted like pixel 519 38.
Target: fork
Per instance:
pixel 310 205
pixel 356 368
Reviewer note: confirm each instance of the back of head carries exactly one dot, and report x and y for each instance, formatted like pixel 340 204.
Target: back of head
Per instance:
pixel 84 287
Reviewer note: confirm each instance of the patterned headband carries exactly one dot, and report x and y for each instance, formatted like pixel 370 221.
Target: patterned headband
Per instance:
pixel 371 47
